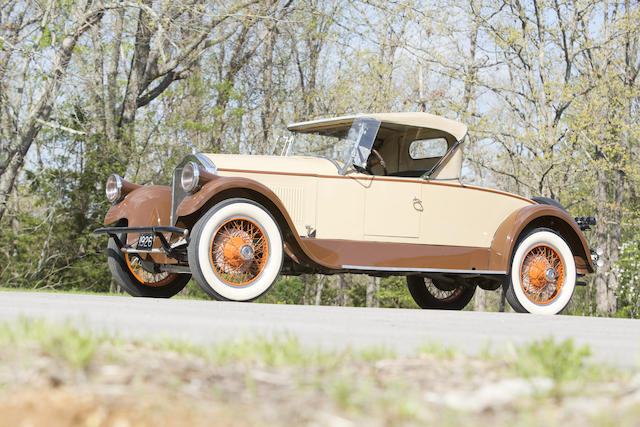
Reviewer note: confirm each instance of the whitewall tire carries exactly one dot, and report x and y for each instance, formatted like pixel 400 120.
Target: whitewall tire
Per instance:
pixel 543 274
pixel 236 251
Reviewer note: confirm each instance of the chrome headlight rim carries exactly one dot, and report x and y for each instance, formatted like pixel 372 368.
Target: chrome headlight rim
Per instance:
pixel 113 188
pixel 190 177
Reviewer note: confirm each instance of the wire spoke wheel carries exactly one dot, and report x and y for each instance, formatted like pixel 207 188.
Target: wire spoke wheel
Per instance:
pixel 542 274
pixel 427 294
pixel 441 294
pixel 239 251
pixel 145 277
pixel 236 250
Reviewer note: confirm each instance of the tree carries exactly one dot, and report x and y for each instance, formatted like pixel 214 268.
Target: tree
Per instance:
pixel 30 35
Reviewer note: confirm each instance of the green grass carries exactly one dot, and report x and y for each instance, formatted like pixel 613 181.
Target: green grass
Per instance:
pixel 273 351
pixel 561 361
pixel 76 346
pixel 437 349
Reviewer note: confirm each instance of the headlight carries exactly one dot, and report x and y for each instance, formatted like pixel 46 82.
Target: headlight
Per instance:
pixel 113 188
pixel 190 177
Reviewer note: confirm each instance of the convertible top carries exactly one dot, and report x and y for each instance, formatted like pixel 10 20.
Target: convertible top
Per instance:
pixel 415 119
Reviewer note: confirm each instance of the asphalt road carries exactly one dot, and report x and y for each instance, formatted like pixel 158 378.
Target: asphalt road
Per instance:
pixel 615 341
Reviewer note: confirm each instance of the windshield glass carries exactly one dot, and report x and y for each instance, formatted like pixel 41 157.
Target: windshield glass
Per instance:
pixel 344 146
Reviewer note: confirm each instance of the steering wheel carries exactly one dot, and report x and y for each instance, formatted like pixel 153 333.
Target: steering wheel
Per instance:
pixel 371 162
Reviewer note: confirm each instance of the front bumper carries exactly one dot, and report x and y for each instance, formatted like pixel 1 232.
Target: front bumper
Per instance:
pixel 173 251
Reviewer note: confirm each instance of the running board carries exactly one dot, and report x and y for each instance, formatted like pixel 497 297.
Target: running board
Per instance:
pixel 421 270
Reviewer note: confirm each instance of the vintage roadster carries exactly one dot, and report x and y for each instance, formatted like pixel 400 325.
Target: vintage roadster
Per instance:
pixel 377 194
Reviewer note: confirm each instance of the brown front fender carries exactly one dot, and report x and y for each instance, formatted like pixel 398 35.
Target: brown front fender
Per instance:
pixel 529 217
pixel 142 207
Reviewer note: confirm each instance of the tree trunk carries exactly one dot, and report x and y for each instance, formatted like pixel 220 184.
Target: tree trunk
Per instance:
pixel 342 290
pixel 503 305
pixel 373 284
pixel 480 300
pixel 607 238
pixel 306 279
pixel 319 287
pixel 266 114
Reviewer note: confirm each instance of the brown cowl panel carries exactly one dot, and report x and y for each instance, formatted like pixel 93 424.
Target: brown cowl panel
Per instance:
pixel 533 216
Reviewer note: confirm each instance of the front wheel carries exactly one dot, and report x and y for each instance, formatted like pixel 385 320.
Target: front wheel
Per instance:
pixel 543 274
pixel 427 295
pixel 236 251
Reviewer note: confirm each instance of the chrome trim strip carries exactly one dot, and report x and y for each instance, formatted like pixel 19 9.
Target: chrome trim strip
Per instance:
pixel 421 270
pixel 207 163
pixel 143 251
pixel 200 159
pixel 197 158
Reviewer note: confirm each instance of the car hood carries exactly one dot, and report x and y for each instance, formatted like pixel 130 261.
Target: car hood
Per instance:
pixel 275 164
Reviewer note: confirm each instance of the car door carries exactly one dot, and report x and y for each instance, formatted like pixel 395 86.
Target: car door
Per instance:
pixel 392 209
pixel 457 215
pixel 363 207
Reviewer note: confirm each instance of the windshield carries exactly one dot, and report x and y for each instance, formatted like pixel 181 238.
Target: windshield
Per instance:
pixel 344 146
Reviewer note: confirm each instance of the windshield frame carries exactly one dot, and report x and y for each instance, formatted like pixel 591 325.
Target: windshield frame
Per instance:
pixel 353 145
pixel 362 134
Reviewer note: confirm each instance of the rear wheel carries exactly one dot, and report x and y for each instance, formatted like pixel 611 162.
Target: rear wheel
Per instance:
pixel 543 274
pixel 427 294
pixel 129 272
pixel 236 251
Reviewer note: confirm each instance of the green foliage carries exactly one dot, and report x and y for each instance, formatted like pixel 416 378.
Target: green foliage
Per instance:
pixel 193 291
pixel 273 351
pixel 628 270
pixel 561 362
pixel 394 293
pixel 437 349
pixel 67 342
pixel 287 290
pixel 45 41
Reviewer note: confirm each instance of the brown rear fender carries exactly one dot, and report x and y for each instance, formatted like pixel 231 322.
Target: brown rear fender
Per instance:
pixel 534 216
pixel 142 207
pixel 222 188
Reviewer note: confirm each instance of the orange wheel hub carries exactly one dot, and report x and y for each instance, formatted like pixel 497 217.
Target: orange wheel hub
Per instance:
pixel 239 251
pixel 231 250
pixel 542 274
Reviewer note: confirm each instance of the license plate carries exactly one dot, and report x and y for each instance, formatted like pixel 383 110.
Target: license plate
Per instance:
pixel 145 241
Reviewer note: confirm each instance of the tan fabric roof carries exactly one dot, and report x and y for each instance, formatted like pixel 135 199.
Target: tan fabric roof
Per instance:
pixel 423 120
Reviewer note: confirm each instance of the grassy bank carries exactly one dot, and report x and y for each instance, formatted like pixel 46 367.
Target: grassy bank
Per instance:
pixel 65 375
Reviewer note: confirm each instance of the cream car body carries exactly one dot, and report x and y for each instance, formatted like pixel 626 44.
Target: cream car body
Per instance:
pixel 408 214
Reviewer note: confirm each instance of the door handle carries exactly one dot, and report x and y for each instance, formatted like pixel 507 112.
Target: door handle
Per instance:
pixel 417 204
